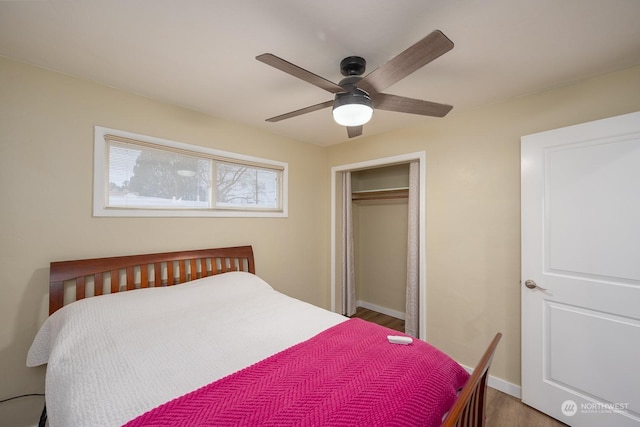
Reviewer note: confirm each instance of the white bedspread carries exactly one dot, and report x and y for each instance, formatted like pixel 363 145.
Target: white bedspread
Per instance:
pixel 112 358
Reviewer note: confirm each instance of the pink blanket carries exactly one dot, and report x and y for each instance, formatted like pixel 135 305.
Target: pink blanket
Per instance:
pixel 348 375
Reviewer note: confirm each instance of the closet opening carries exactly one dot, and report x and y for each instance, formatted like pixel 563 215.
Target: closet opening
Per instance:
pixel 380 225
pixel 388 243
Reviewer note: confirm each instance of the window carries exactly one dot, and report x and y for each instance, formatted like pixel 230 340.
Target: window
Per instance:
pixel 136 175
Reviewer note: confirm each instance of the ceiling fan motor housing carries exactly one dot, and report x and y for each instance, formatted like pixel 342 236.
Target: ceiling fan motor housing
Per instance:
pixel 349 84
pixel 357 96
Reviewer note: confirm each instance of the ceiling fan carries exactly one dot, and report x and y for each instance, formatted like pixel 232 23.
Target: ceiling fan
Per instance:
pixel 357 96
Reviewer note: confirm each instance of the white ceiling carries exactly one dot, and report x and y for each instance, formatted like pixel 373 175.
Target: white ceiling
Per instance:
pixel 200 54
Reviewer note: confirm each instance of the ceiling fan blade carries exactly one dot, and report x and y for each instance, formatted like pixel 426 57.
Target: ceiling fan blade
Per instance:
pixel 401 104
pixel 354 131
pixel 412 59
pixel 298 72
pixel 301 111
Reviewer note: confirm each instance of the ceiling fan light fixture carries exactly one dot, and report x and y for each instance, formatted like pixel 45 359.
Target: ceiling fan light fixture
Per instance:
pixel 352 108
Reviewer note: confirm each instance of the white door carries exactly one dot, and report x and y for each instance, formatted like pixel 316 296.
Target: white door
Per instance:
pixel 581 247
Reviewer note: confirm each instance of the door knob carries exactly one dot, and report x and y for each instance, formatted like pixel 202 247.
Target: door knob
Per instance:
pixel 533 285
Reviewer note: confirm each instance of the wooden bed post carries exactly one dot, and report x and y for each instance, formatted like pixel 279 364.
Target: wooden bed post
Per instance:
pixel 469 409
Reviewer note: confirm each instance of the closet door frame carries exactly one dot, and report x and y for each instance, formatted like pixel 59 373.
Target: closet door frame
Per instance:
pixel 336 180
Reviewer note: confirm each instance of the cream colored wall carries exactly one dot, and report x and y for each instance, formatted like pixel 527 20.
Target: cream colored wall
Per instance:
pixel 381 240
pixel 473 206
pixel 46 154
pixel 381 178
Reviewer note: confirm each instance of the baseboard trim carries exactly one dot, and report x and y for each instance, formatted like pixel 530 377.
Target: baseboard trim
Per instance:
pixel 500 384
pixel 380 309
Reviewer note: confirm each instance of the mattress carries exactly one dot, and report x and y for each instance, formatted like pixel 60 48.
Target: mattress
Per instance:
pixel 114 357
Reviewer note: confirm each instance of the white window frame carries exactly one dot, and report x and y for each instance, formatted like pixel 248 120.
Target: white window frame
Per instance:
pixel 101 177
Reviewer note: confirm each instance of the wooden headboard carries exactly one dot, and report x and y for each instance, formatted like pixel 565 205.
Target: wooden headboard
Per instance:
pixel 74 280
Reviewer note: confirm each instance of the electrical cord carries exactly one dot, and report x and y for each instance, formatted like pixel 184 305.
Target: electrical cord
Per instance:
pixel 43 416
pixel 22 395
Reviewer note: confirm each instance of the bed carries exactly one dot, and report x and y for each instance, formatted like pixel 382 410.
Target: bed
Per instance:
pixel 225 348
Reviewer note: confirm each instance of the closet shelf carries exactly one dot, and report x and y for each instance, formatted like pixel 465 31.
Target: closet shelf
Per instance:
pixel 381 194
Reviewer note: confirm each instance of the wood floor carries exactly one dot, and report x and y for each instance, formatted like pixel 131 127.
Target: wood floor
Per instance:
pixel 503 410
pixel 380 319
